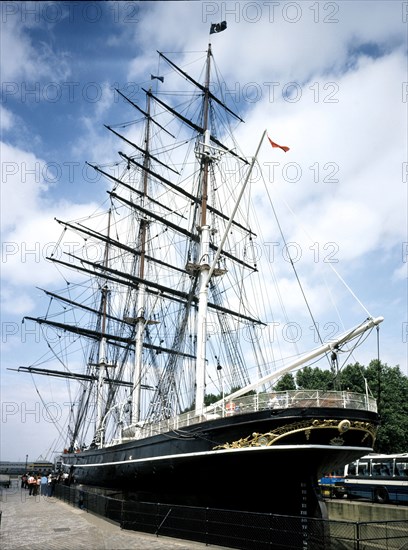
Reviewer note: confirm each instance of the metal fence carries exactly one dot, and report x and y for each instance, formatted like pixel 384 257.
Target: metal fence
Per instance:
pixel 242 530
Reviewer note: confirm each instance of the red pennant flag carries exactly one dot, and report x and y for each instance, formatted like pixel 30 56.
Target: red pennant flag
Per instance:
pixel 283 147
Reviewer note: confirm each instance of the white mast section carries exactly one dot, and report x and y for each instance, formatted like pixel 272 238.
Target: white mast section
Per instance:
pixel 202 307
pixel 137 373
pixel 205 276
pixel 204 259
pixel 102 355
pixel 347 337
pixel 140 320
pixel 100 400
pixel 202 321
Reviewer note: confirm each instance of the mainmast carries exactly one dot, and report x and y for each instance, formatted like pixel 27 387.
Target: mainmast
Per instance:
pixel 204 261
pixel 141 295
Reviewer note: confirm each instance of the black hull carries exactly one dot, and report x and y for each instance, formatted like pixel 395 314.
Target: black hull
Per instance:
pixel 220 464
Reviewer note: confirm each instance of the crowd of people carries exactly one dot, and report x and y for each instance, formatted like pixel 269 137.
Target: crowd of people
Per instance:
pixel 39 484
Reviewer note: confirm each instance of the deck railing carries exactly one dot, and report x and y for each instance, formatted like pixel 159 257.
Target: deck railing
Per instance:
pixel 254 403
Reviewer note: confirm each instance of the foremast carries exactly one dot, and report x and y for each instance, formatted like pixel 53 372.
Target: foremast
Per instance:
pixel 204 230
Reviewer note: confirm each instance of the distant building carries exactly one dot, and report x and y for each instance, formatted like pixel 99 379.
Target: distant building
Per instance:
pixel 20 468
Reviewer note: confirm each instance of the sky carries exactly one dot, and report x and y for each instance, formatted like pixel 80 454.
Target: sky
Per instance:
pixel 329 79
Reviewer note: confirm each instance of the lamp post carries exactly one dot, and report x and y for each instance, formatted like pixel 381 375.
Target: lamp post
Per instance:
pixel 26 464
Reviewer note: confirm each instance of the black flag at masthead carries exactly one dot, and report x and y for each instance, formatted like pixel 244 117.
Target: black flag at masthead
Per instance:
pixel 218 27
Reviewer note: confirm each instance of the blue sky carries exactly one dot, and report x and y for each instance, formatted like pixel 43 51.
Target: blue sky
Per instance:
pixel 328 78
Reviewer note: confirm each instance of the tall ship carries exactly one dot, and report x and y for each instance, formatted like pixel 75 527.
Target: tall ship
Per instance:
pixel 162 325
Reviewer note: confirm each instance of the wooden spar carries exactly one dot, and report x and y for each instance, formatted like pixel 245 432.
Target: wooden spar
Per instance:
pixel 347 337
pixel 230 221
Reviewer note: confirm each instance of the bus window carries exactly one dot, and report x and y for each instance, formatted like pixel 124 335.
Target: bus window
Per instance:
pixel 386 468
pixel 401 469
pixel 375 469
pixel 381 468
pixel 352 469
pixel 363 468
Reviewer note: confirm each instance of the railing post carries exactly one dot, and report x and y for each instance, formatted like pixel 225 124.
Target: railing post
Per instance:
pixel 357 535
pixel 162 522
pixel 206 526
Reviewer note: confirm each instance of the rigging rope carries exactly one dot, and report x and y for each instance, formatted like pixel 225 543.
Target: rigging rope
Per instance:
pixel 295 272
pixel 330 263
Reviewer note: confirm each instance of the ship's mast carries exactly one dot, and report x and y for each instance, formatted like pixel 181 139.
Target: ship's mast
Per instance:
pixel 204 261
pixel 102 357
pixel 141 295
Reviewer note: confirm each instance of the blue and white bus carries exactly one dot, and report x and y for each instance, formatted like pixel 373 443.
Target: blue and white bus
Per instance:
pixel 379 478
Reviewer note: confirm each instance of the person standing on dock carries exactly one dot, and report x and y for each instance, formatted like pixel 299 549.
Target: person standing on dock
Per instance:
pixel 36 485
pixel 24 481
pixel 31 482
pixel 44 485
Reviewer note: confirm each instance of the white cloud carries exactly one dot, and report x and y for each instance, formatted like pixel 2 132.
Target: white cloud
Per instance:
pixel 15 302
pixel 22 185
pixel 29 232
pixel 344 158
pixel 27 60
pixel 26 248
pixel 6 119
pixel 265 42
pixel 401 273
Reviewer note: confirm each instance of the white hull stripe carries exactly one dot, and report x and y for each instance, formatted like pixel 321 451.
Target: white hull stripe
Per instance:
pixel 296 448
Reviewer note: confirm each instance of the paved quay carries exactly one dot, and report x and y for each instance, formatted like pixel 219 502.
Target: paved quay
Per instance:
pixel 47 523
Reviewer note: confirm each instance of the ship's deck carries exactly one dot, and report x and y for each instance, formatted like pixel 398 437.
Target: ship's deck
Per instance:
pixel 254 403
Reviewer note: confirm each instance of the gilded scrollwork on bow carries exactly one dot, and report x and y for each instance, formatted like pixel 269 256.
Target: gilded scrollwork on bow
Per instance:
pixel 306 426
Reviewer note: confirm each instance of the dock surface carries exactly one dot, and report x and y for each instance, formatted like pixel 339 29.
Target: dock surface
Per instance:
pixel 47 523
